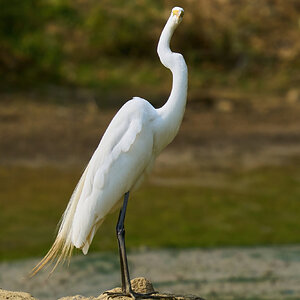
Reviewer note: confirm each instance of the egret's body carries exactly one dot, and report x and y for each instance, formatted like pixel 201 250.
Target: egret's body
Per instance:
pixel 124 161
pixel 125 155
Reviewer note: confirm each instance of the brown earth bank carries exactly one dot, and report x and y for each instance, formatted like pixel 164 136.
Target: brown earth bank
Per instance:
pixel 220 130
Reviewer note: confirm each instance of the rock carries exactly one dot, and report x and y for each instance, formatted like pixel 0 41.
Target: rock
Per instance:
pixel 15 295
pixel 139 285
pixel 77 297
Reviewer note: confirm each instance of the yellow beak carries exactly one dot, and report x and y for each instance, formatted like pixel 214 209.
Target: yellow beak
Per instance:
pixel 177 12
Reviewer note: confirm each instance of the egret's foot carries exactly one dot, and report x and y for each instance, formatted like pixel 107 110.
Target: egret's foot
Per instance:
pixel 152 295
pixel 134 295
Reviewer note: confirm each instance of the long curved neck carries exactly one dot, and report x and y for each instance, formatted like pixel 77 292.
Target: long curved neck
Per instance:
pixel 172 111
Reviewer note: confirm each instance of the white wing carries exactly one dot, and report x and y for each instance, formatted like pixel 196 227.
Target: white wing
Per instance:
pixel 121 158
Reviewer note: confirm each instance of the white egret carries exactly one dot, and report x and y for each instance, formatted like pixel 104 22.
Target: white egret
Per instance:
pixel 126 153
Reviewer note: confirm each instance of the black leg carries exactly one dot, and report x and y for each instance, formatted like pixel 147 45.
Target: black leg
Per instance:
pixel 126 285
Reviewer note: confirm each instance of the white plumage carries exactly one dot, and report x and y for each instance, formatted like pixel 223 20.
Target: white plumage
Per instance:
pixel 116 166
pixel 126 153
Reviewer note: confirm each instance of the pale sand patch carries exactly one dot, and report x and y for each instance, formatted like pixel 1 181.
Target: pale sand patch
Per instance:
pixel 229 273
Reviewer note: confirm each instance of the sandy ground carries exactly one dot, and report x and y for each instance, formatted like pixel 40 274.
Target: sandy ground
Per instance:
pixel 229 273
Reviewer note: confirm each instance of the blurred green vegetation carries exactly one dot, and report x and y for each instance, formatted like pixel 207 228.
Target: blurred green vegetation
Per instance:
pixel 257 207
pixel 96 44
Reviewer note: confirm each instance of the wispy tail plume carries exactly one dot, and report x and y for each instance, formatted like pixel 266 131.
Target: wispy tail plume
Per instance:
pixel 60 251
pixel 62 247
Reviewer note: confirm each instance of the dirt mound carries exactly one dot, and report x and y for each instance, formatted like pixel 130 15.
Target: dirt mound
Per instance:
pixel 139 285
pixel 15 295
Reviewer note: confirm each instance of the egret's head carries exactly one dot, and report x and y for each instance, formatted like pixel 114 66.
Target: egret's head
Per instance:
pixel 177 14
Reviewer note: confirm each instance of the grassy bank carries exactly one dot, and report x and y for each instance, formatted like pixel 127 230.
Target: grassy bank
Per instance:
pixel 96 45
pixel 251 207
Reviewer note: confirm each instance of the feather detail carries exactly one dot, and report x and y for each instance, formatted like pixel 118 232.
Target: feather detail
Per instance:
pixel 122 146
pixel 83 228
pixel 90 237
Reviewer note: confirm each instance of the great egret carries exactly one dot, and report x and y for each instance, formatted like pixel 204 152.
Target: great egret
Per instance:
pixel 126 153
